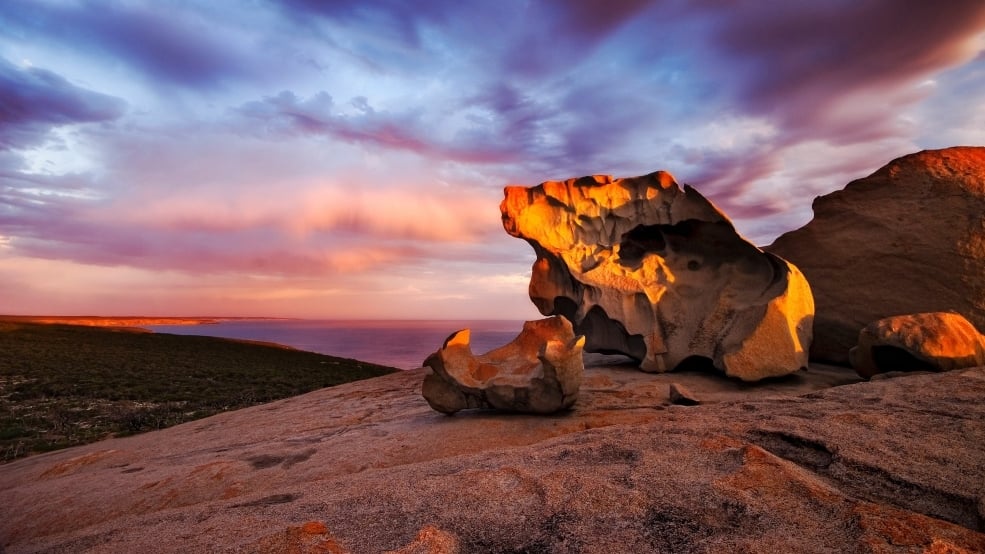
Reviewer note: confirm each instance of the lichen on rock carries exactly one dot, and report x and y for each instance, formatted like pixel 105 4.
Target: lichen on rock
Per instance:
pixel 646 268
pixel 540 371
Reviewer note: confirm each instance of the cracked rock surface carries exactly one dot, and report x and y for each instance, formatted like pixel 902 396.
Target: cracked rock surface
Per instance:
pixel 646 268
pixel 812 462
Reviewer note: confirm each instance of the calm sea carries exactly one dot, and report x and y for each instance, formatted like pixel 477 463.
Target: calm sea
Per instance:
pixel 401 344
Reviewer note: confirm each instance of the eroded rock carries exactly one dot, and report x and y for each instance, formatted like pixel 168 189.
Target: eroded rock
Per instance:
pixel 910 238
pixel 936 341
pixel 646 268
pixel 682 396
pixel 540 371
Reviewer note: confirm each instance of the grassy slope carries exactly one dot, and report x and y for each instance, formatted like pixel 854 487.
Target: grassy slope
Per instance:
pixel 64 385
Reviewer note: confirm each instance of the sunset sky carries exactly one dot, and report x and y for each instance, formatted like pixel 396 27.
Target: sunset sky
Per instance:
pixel 300 158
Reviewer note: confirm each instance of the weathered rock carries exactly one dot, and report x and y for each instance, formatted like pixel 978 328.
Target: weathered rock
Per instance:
pixel 431 540
pixel 910 238
pixel 310 538
pixel 539 372
pixel 682 396
pixel 936 341
pixel 645 268
pixel 314 538
pixel 367 467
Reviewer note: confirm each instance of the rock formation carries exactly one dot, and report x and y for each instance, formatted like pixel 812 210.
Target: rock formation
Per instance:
pixel 645 268
pixel 682 396
pixel 910 238
pixel 890 466
pixel 538 372
pixel 936 341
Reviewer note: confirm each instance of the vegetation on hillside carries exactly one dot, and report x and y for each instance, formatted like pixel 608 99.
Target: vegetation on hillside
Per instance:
pixel 65 385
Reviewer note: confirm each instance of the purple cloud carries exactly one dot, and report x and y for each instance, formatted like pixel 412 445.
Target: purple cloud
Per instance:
pixel 164 44
pixel 33 101
pixel 796 60
pixel 407 131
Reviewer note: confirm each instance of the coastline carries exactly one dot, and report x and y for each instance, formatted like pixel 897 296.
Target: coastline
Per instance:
pixel 128 321
pixel 402 344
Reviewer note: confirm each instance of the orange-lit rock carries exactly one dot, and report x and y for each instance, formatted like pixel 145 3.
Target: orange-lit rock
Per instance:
pixel 648 269
pixel 936 341
pixel 431 540
pixel 311 538
pixel 910 238
pixel 540 371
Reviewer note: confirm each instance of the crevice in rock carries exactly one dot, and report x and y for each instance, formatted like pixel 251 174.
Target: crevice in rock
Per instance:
pixel 877 485
pixel 893 358
pixel 697 364
pixel 799 450
pixel 269 500
pixel 871 483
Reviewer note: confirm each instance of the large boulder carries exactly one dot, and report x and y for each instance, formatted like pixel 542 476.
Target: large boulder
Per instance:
pixel 540 371
pixel 648 269
pixel 910 238
pixel 936 341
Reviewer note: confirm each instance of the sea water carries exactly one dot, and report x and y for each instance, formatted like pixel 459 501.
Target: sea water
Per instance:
pixel 400 344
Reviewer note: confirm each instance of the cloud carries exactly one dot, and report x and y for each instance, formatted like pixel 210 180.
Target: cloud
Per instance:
pixel 35 101
pixel 816 70
pixel 258 205
pixel 408 130
pixel 323 151
pixel 162 42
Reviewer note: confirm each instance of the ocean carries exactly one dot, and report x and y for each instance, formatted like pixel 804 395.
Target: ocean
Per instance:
pixel 400 344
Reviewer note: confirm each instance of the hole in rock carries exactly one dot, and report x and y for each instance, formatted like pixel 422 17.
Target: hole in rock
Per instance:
pixel 640 241
pixel 697 364
pixel 608 336
pixel 893 358
pixel 708 243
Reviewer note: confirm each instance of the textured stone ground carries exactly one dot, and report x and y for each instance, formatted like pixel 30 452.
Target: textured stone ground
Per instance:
pixel 891 465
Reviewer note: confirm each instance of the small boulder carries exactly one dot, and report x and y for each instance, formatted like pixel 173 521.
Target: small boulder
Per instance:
pixel 936 341
pixel 682 396
pixel 540 371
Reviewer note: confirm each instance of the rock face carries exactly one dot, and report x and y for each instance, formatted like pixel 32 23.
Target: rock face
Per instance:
pixel 910 238
pixel 890 466
pixel 645 268
pixel 540 371
pixel 936 341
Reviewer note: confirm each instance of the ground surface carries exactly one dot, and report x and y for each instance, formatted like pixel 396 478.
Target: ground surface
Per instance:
pixel 63 385
pixel 892 465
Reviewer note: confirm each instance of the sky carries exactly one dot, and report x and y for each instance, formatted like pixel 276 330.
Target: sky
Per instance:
pixel 298 158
